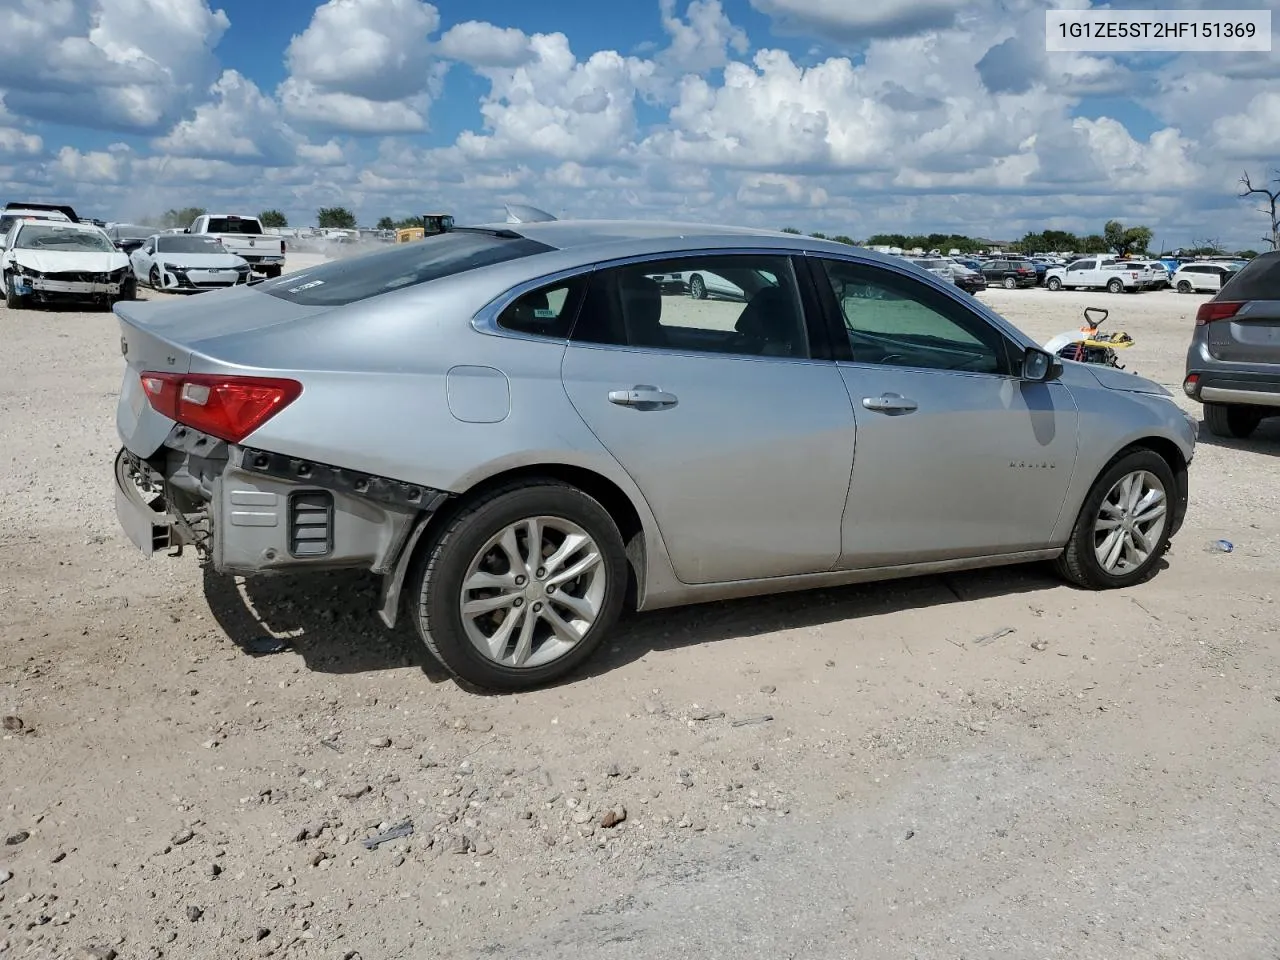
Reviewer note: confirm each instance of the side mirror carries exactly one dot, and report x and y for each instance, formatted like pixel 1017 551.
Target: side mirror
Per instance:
pixel 1040 366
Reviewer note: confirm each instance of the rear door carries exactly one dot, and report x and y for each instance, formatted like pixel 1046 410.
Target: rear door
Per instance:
pixel 736 429
pixel 1253 334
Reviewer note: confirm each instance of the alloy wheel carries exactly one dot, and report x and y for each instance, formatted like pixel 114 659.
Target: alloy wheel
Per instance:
pixel 533 592
pixel 1130 522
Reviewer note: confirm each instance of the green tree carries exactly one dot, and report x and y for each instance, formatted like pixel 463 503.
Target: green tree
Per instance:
pixel 339 218
pixel 273 218
pixel 1094 244
pixel 790 230
pixel 1246 254
pixel 818 236
pixel 841 238
pixel 1126 240
pixel 386 223
pixel 181 217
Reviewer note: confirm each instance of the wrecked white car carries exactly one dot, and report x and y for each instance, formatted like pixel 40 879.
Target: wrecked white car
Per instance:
pixel 46 261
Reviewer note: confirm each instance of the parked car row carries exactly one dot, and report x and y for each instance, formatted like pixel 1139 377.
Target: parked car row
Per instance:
pixel 50 255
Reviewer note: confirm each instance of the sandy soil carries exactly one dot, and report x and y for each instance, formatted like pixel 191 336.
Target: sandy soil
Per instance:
pixel 1101 781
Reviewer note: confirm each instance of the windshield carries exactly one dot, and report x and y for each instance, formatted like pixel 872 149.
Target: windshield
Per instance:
pixel 69 239
pixel 181 243
pixel 345 281
pixel 234 225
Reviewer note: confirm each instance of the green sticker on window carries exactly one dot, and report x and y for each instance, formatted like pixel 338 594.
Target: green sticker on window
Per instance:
pixel 544 313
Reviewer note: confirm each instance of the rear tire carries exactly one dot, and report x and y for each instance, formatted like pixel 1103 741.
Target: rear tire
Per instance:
pixel 272 272
pixel 1080 563
pixel 1010 283
pixel 464 550
pixel 1115 286
pixel 1054 284
pixel 697 287
pixel 11 299
pixel 1232 422
pixel 1184 286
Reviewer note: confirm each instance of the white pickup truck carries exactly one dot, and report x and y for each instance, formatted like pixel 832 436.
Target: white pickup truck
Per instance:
pixel 1099 273
pixel 243 236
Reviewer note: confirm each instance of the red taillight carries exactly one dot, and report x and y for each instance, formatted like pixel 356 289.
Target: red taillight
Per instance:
pixel 229 408
pixel 1217 310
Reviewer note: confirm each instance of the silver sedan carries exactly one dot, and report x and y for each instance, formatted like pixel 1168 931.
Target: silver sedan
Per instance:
pixel 525 437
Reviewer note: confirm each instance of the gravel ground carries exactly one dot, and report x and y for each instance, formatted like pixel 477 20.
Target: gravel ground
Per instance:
pixel 1102 781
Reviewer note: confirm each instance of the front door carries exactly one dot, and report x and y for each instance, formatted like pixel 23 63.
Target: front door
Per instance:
pixel 956 455
pixel 740 443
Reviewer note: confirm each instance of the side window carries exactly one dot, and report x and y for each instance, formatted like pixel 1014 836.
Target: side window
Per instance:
pixel 546 312
pixel 743 304
pixel 897 321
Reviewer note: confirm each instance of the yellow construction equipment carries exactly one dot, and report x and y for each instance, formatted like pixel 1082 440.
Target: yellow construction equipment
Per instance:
pixel 432 224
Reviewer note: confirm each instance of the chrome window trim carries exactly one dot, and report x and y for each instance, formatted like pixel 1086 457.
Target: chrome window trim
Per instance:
pixel 486 319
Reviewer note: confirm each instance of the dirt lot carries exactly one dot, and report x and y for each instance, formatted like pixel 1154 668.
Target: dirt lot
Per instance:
pixel 1100 782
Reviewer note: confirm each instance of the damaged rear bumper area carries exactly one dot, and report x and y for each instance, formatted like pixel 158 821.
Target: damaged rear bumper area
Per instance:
pixel 251 512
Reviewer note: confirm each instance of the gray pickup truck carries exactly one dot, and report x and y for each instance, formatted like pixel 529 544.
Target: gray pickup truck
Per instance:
pixel 243 236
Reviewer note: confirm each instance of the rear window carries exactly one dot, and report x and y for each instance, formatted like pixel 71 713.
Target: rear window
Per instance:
pixel 234 225
pixel 1259 279
pixel 351 279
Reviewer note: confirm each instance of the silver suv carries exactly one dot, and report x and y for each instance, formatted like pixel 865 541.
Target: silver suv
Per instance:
pixel 1233 365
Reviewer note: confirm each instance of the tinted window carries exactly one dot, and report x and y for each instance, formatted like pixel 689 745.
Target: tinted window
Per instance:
pixel 897 321
pixel 740 304
pixel 546 312
pixel 356 278
pixel 182 243
pixel 1257 280
pixel 234 225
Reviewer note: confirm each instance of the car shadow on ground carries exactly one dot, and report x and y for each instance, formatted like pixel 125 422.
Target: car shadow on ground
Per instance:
pixel 330 620
pixel 1265 440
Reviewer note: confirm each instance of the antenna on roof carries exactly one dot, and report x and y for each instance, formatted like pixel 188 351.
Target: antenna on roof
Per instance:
pixel 521 213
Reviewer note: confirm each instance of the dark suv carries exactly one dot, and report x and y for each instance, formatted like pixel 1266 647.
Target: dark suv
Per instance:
pixel 1233 365
pixel 1010 274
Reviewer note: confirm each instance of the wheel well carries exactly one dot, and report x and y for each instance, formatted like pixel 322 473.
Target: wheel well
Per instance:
pixel 1170 453
pixel 608 493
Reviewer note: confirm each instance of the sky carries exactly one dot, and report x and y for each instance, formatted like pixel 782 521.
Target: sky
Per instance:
pixel 849 117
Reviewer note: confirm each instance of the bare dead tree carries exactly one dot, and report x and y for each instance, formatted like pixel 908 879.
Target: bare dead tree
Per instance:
pixel 1269 204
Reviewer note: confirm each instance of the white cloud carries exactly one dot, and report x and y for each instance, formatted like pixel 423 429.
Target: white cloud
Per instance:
pixel 482 44
pixel 557 107
pixel 240 123
pixel 116 64
pixel 948 117
pixel 702 40
pixel 364 66
pixel 15 141
pixel 1254 132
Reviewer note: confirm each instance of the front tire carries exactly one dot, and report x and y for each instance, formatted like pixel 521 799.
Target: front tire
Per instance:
pixel 1124 525
pixel 1054 284
pixel 504 614
pixel 1115 286
pixel 12 300
pixel 697 287
pixel 1184 286
pixel 128 289
pixel 154 278
pixel 1232 422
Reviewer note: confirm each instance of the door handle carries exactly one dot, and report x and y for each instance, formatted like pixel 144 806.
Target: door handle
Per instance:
pixel 642 397
pixel 890 403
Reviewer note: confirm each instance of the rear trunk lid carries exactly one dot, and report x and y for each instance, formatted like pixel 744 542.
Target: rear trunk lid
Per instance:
pixel 170 337
pixel 1252 334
